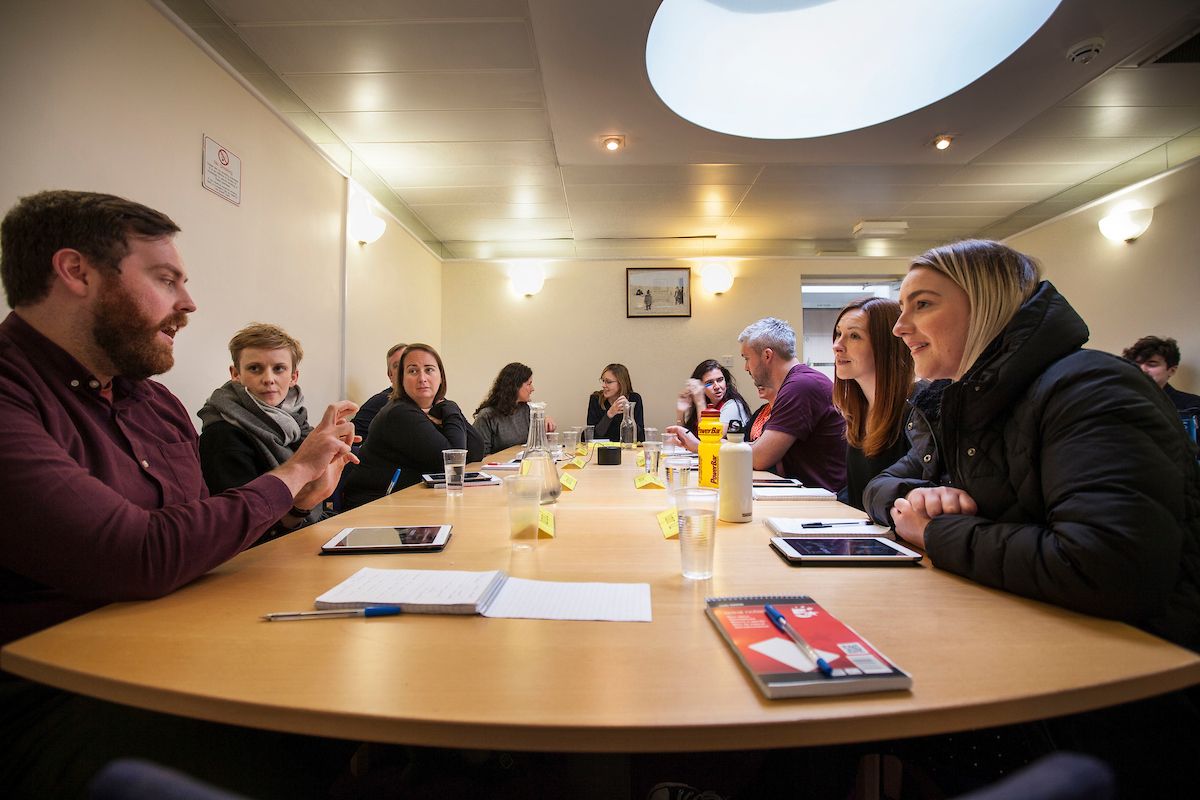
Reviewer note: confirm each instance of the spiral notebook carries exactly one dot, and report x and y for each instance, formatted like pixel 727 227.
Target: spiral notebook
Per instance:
pixel 780 667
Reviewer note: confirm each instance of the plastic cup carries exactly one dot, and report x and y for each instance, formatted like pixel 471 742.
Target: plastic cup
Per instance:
pixel 670 443
pixel 697 531
pixel 650 435
pixel 554 442
pixel 570 442
pixel 678 468
pixel 524 493
pixel 589 433
pixel 455 464
pixel 652 451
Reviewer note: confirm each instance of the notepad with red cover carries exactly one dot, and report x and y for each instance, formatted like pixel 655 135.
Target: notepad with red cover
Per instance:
pixel 781 669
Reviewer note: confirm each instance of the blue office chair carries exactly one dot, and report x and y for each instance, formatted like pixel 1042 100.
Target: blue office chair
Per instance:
pixel 133 779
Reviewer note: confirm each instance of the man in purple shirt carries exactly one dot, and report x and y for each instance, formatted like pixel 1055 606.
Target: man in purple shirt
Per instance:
pixel 805 436
pixel 102 494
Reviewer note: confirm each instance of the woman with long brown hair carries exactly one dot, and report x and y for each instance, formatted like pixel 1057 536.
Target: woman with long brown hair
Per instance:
pixel 606 406
pixel 873 378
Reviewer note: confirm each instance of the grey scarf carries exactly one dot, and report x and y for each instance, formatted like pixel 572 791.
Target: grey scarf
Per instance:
pixel 271 428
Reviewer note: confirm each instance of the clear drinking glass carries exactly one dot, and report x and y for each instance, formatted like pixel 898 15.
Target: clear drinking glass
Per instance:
pixel 455 464
pixel 697 531
pixel 649 435
pixel 554 442
pixel 652 450
pixel 678 468
pixel 570 442
pixel 524 493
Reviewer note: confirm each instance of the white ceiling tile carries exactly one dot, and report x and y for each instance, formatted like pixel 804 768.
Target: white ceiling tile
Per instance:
pixel 858 174
pixel 403 177
pixel 457 195
pixel 537 248
pixel 258 11
pixel 1182 149
pixel 641 248
pixel 388 156
pixel 505 230
pixel 655 192
pixel 642 228
pixel 1114 121
pixel 1024 150
pixel 635 209
pixel 997 174
pixel 577 175
pixel 832 192
pixel 813 205
pixel 436 216
pixel 960 208
pixel 387 47
pixel 419 91
pixel 1153 85
pixel 1016 192
pixel 439 126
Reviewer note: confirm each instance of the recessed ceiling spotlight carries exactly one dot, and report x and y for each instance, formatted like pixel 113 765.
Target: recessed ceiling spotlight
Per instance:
pixel 942 141
pixel 613 143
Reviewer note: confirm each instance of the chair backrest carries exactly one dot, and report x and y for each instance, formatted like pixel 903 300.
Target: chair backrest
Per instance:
pixel 1058 776
pixel 134 779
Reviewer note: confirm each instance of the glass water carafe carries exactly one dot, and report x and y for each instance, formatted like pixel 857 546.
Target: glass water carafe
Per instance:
pixel 538 459
pixel 628 426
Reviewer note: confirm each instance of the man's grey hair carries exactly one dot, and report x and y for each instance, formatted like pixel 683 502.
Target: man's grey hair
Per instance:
pixel 776 334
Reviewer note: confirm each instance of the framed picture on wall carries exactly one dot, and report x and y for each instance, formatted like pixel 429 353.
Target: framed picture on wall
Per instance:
pixel 658 292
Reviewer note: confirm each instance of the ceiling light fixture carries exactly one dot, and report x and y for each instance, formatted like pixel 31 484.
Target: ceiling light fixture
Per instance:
pixel 942 141
pixel 783 69
pixel 613 143
pixel 880 229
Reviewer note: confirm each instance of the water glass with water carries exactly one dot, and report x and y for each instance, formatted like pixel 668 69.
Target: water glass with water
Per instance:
pixel 697 531
pixel 455 464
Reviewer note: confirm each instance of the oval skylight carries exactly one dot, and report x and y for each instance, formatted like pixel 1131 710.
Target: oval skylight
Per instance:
pixel 794 69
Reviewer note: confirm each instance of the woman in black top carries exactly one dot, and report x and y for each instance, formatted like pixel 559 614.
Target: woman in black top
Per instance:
pixel 873 378
pixel 411 431
pixel 606 406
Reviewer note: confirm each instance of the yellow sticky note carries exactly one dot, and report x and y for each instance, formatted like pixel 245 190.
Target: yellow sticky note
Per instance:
pixel 545 523
pixel 524 468
pixel 641 459
pixel 575 463
pixel 581 449
pixel 568 481
pixel 668 523
pixel 648 481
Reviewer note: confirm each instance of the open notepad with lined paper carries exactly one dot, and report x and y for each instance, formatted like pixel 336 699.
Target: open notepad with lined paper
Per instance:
pixel 491 594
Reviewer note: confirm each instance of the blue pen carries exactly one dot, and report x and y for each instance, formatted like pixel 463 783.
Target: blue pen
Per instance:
pixel 392 484
pixel 369 611
pixel 780 622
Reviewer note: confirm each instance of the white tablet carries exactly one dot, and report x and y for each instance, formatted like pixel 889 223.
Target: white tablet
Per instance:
pixel 397 539
pixel 870 550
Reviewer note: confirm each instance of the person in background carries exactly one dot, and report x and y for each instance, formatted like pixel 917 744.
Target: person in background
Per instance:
pixel 368 410
pixel 256 420
pixel 411 431
pixel 758 419
pixel 502 419
pixel 873 378
pixel 1052 472
pixel 606 406
pixel 103 464
pixel 1159 358
pixel 711 385
pixel 804 436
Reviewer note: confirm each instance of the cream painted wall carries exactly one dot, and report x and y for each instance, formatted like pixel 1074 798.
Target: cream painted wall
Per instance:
pixel 1125 291
pixel 112 97
pixel 394 290
pixel 577 324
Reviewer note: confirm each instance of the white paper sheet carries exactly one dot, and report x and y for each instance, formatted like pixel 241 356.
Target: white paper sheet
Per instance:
pixel 613 602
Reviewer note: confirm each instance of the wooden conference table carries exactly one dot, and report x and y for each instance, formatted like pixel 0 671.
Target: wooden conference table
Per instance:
pixel 978 657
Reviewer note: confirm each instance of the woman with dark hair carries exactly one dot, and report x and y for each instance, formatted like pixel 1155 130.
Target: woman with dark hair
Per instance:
pixel 711 385
pixel 502 419
pixel 606 406
pixel 411 431
pixel 1038 467
pixel 873 378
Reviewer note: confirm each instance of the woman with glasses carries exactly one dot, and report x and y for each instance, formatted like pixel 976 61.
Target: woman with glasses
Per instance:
pixel 606 406
pixel 711 385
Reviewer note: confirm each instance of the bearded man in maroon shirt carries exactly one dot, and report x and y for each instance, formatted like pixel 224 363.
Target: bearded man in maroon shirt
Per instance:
pixel 102 494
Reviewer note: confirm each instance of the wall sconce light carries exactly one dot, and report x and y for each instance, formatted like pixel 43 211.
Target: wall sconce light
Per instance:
pixel 716 278
pixel 1126 222
pixel 526 279
pixel 362 225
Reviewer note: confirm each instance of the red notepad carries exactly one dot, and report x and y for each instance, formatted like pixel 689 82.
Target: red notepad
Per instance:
pixel 781 669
